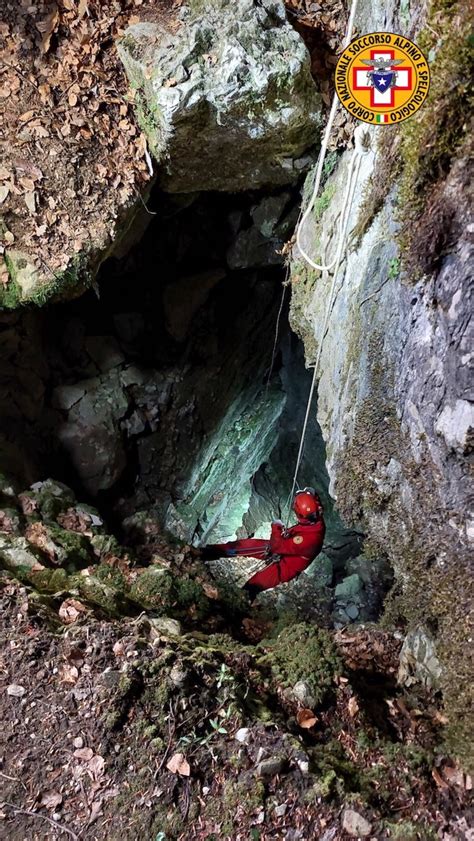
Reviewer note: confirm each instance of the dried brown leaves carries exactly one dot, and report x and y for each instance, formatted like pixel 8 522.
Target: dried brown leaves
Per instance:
pixel 75 155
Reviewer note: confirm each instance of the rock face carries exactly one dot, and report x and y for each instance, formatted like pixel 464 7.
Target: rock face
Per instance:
pixel 227 98
pixel 393 404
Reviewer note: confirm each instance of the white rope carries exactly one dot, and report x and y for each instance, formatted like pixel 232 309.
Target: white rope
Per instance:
pixel 359 150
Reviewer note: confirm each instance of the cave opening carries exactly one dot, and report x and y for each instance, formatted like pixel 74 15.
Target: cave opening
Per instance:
pixel 175 386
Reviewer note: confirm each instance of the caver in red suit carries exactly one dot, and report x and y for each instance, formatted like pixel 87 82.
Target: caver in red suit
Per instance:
pixel 289 551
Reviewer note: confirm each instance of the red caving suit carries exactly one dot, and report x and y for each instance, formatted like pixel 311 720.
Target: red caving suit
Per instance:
pixel 296 548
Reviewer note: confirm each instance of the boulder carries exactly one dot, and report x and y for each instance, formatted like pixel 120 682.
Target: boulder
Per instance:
pixel 348 587
pixel 271 766
pixel 419 662
pixel 355 824
pixel 91 434
pixel 227 96
pixel 165 625
pixel 18 556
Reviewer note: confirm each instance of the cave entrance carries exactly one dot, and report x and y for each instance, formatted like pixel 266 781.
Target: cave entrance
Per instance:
pixel 165 394
pixel 175 394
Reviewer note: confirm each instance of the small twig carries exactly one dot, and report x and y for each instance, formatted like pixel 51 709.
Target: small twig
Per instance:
pixel 31 814
pixel 25 78
pixel 14 779
pixel 151 212
pixel 171 732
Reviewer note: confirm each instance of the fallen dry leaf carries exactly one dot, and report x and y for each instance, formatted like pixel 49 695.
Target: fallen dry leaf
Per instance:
pixel 84 753
pixel 69 674
pixel 70 610
pixel 96 766
pixel 28 504
pixel 30 202
pixel 454 775
pixel 51 799
pixel 38 536
pixel 48 27
pixel 442 784
pixel 306 719
pixel 179 765
pixel 353 706
pixel 96 810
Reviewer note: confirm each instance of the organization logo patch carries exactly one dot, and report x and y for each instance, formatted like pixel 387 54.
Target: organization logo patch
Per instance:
pixel 298 539
pixel 382 78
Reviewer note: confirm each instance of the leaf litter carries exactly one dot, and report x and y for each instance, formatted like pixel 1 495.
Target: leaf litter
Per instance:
pixel 122 751
pixel 73 157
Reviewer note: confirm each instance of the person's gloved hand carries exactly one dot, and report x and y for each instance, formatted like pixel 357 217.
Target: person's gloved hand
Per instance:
pixel 277 523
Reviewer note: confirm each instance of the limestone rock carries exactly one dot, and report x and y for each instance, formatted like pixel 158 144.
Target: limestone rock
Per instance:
pixel 167 626
pixel 271 766
pixel 348 587
pixel 302 693
pixel 49 498
pixel 105 352
pixel 228 96
pixel 9 520
pixel 456 425
pixel 178 675
pixel 393 391
pixel 243 735
pixel 17 555
pixel 419 661
pixel 355 824
pixel 91 434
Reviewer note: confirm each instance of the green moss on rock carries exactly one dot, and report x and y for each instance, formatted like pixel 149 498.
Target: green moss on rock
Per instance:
pixel 73 548
pixel 304 653
pixel 154 589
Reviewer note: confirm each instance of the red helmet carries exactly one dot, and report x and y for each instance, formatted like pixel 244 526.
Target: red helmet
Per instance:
pixel 307 505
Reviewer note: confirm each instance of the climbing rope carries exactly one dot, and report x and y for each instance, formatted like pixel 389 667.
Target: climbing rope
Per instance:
pixel 360 148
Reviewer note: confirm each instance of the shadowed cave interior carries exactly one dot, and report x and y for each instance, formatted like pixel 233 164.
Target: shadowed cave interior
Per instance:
pixel 166 389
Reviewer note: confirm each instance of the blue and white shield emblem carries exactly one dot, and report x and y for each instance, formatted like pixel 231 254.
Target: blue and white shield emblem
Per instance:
pixel 383 81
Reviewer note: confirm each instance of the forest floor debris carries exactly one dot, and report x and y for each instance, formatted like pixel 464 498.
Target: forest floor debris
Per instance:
pixel 126 728
pixel 74 159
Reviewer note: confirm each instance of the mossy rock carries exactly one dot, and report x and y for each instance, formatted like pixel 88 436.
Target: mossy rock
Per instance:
pixel 154 589
pixel 50 580
pixel 190 594
pixel 73 549
pixel 18 556
pixel 50 498
pixel 303 652
pixel 112 576
pixel 107 544
pixel 95 591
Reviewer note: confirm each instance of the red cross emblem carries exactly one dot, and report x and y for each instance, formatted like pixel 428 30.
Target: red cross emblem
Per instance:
pixel 381 99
